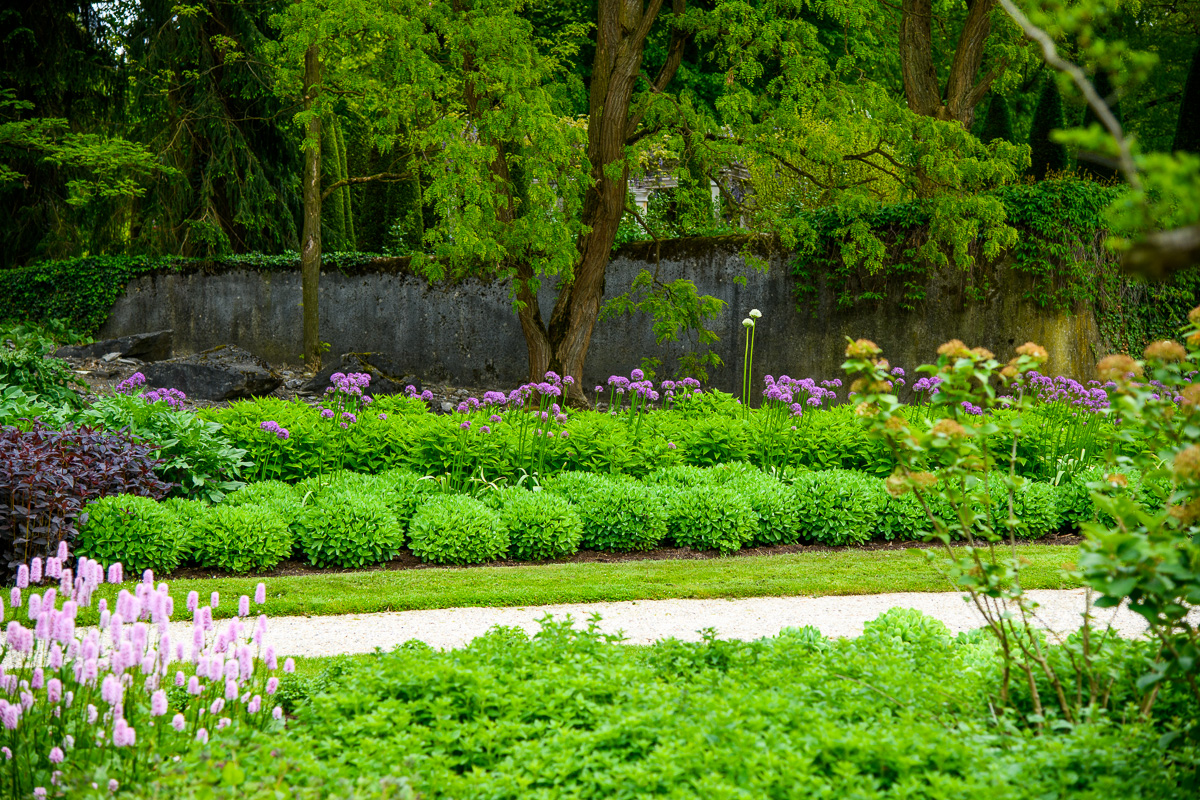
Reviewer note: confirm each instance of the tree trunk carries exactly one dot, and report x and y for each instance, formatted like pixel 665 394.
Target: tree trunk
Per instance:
pixel 921 87
pixel 310 242
pixel 622 27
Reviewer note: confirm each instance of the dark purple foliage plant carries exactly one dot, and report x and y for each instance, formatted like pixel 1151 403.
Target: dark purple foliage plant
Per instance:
pixel 48 476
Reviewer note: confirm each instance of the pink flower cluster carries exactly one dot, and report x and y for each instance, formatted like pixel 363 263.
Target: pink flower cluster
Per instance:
pixel 107 682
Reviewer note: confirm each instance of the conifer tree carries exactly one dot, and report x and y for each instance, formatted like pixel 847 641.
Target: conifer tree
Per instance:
pixel 998 123
pixel 1046 155
pixel 1187 131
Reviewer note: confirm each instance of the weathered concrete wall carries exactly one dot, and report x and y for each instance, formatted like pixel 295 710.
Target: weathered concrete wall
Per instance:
pixel 466 333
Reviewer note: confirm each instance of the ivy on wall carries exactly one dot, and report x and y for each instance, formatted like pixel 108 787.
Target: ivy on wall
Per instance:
pixel 1059 246
pixel 82 291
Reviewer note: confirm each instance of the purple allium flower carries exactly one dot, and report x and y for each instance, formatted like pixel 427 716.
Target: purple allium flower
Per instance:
pixel 484 429
pixel 564 434
pixel 462 408
pixel 637 375
pixel 348 417
pixel 383 416
pixel 466 425
pixel 326 413
pixel 427 395
pixel 6 753
pixel 599 389
pixel 670 445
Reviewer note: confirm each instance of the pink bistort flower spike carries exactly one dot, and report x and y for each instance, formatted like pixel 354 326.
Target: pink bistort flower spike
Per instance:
pixel 277 713
pixel 56 755
pixel 260 593
pixel 215 600
pixel 178 722
pixel 22 577
pixel 289 666
pixel 202 736
pixel 114 573
pixel 243 606
pixel 158 703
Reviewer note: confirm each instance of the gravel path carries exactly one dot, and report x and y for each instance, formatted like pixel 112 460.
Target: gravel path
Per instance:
pixel 645 621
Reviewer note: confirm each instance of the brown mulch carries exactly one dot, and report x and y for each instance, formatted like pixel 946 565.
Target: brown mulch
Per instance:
pixel 407 560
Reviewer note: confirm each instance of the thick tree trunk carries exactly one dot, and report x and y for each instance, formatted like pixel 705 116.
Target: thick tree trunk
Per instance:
pixel 922 89
pixel 310 242
pixel 622 27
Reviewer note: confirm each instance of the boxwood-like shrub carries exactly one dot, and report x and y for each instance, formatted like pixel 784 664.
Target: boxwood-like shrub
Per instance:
pixel 839 506
pixel 618 513
pixel 400 489
pixel 541 525
pixel 187 514
pixel 456 529
pixel 137 531
pixel 240 539
pixel 681 475
pixel 776 505
pixel 1035 504
pixel 708 517
pixel 1074 497
pixel 347 527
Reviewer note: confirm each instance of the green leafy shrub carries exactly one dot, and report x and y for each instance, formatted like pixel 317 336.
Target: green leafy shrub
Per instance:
pixel 683 475
pixel 839 506
pixel 717 440
pixel 455 529
pixel 541 525
pixel 137 531
pixel 187 514
pixel 617 513
pixel 49 380
pixel 347 527
pixel 195 454
pixel 1074 498
pixel 1035 505
pixel 240 539
pixel 775 504
pixel 708 517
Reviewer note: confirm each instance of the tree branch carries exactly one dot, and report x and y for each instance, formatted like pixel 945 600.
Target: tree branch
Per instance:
pixel 386 177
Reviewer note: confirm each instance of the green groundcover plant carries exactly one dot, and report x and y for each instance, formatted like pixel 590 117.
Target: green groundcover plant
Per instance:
pixel 899 712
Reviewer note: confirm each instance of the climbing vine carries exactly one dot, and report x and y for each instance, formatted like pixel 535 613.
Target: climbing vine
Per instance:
pixel 82 291
pixel 888 252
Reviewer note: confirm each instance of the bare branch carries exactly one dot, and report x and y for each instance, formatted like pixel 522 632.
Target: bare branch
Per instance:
pixel 386 177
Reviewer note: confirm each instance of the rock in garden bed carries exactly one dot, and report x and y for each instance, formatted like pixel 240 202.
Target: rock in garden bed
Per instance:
pixel 154 346
pixel 387 376
pixel 221 373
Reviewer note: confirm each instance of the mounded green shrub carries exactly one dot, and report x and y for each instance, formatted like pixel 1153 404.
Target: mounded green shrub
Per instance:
pixel 400 489
pixel 618 513
pixel 1035 504
pixel 187 514
pixel 680 475
pixel 839 506
pixel 541 525
pixel 775 504
pixel 137 531
pixel 241 539
pixel 456 529
pixel 347 527
pixel 1074 497
pixel 708 517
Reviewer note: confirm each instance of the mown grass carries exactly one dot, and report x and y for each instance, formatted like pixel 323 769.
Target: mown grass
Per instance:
pixel 842 572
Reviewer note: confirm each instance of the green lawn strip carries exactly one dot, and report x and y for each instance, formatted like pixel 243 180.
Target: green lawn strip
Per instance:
pixel 842 572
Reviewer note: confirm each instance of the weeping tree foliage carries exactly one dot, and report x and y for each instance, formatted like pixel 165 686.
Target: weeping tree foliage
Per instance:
pixel 202 97
pixel 65 179
pixel 1047 155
